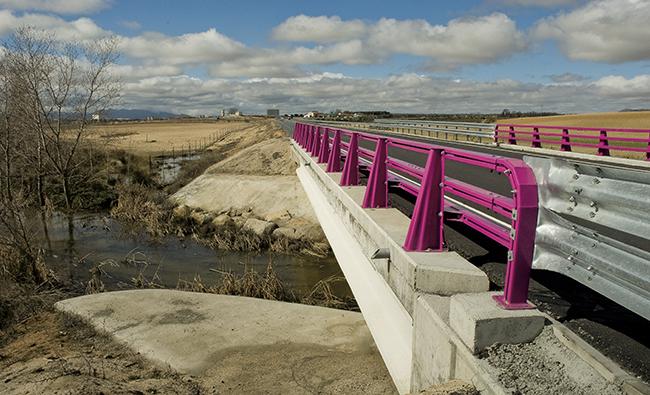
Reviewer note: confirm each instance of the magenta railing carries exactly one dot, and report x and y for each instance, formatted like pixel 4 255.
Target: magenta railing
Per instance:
pixel 600 140
pixel 435 193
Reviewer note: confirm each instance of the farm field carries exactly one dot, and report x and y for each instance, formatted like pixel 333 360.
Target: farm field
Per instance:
pixel 631 120
pixel 617 120
pixel 158 137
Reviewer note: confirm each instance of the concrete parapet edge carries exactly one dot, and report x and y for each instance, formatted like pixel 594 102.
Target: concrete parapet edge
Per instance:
pixel 439 355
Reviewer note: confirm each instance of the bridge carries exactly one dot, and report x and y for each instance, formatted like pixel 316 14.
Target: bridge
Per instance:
pixel 581 214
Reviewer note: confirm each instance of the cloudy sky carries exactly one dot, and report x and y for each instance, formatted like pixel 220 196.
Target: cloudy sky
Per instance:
pixel 197 57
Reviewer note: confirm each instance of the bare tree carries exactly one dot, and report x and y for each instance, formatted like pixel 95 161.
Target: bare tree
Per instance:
pixel 64 84
pixel 48 92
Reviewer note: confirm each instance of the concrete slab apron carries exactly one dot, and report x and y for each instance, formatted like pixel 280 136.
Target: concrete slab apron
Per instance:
pixel 188 331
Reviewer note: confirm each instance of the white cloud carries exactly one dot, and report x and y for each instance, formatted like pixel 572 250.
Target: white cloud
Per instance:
pixel 612 31
pixel 398 93
pixel 463 41
pixel 320 29
pixel 637 87
pixel 192 48
pixel 82 29
pixel 57 6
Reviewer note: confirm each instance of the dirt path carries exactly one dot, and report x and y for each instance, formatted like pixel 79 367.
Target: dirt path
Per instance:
pixel 55 354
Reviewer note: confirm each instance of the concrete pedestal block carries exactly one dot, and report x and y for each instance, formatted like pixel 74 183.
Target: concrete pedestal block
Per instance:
pixel 480 322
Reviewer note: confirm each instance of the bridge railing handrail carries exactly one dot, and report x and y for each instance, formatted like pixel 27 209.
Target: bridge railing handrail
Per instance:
pixel 432 190
pixel 565 137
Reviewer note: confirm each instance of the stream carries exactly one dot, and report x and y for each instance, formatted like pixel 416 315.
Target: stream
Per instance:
pixel 76 244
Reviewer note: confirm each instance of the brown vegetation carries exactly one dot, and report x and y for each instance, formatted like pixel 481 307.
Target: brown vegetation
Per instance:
pixel 163 137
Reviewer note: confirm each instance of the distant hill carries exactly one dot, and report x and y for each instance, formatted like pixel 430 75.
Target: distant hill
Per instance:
pixel 138 114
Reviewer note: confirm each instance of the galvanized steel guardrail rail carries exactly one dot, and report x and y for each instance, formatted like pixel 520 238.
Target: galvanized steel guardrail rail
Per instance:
pixel 594 227
pixel 512 219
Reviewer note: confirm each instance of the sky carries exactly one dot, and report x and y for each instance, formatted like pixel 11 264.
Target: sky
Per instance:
pixel 197 57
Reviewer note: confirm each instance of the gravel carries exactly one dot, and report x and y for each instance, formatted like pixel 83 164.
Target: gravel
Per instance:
pixel 545 366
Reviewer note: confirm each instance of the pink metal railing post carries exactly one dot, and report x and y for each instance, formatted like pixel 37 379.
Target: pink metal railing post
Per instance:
pixel 537 141
pixel 309 133
pixel 512 136
pixel 334 160
pixel 603 144
pixel 376 195
pixel 425 229
pixel 351 166
pixel 566 142
pixel 520 258
pixel 315 147
pixel 324 152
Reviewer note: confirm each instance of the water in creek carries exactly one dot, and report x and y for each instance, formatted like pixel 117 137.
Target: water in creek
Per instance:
pixel 75 245
pixel 169 167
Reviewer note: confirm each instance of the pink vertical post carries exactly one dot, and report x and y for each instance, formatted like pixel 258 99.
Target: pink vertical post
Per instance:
pixel 603 144
pixel 315 145
pixel 334 160
pixel 309 133
pixel 520 257
pixel 324 152
pixel 566 141
pixel 376 195
pixel 425 229
pixel 537 141
pixel 512 136
pixel 351 166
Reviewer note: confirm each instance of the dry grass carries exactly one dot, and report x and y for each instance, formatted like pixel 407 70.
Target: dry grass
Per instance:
pixel 269 286
pixel 630 120
pixel 620 120
pixel 161 137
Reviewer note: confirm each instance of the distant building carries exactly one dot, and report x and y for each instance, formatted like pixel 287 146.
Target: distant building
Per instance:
pixel 273 113
pixel 312 114
pixel 96 117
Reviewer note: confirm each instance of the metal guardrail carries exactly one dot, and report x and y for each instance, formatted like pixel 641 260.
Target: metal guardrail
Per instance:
pixel 466 131
pixel 438 197
pixel 601 140
pixel 594 226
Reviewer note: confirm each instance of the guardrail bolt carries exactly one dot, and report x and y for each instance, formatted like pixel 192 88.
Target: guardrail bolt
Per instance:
pixel 578 191
pixel 592 214
pixel 575 176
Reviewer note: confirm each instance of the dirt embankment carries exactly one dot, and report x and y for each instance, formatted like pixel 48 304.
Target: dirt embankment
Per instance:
pixel 252 198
